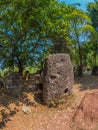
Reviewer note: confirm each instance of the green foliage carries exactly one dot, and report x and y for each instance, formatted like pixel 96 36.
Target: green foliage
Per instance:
pixel 93 13
pixel 21 32
pixel 30 30
pixel 31 70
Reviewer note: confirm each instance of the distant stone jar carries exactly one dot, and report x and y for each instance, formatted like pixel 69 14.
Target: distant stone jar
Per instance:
pixel 95 70
pixel 13 84
pixel 58 76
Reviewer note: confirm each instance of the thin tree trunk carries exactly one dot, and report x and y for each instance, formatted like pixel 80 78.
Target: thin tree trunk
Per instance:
pixel 95 54
pixel 20 66
pixel 80 67
pixel 80 71
pixel 95 59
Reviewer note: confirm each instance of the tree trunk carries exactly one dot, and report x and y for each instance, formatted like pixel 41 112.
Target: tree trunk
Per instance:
pixel 95 59
pixel 20 66
pixel 95 54
pixel 80 68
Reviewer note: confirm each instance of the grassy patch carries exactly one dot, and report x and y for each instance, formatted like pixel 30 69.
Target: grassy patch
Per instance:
pixel 31 70
pixel 64 99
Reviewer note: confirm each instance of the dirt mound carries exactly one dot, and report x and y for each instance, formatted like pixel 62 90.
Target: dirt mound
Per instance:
pixel 86 116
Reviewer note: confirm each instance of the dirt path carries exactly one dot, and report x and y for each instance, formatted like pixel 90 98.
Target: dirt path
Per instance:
pixel 81 113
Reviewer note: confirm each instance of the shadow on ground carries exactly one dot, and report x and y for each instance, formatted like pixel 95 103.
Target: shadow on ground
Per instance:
pixel 87 82
pixel 9 105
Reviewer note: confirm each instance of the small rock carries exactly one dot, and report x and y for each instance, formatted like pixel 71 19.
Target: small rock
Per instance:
pixel 26 110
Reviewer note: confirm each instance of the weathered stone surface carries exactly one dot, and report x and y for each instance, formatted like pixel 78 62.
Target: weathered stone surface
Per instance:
pixel 13 84
pixel 58 77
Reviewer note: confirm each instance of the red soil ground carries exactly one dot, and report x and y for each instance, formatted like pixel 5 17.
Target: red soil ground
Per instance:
pixel 80 112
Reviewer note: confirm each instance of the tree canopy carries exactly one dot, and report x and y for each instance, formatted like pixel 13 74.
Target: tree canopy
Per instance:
pixel 31 29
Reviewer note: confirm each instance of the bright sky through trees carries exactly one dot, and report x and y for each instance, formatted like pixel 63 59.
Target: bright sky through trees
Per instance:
pixel 83 3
